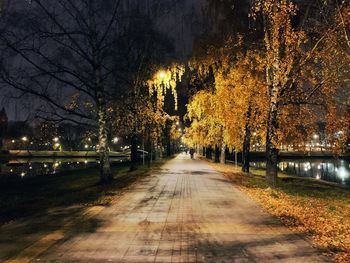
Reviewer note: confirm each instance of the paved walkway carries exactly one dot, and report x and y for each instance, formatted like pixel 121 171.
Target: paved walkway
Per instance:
pixel 185 213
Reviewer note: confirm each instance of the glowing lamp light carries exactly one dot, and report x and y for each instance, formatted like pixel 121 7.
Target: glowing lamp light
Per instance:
pixel 162 74
pixel 24 138
pixel 115 140
pixel 56 139
pixel 86 146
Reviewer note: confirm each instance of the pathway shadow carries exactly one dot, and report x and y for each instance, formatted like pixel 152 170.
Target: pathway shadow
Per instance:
pixel 18 235
pixel 256 248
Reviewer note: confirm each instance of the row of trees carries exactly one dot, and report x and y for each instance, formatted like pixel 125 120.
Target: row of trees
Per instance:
pixel 88 62
pixel 273 81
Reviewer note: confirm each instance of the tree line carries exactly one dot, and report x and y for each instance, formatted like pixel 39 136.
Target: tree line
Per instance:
pixel 267 72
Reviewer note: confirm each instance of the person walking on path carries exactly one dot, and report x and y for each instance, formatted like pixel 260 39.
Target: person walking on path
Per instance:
pixel 192 153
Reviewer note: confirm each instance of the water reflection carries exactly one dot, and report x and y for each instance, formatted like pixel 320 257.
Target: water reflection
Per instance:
pixel 337 171
pixel 26 168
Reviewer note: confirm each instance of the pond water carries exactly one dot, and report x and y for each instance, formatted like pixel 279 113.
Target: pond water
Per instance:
pixel 27 168
pixel 336 171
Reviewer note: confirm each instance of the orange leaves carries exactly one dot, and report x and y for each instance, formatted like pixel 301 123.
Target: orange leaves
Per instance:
pixel 220 115
pixel 164 80
pixel 206 128
pixel 329 228
pixel 316 209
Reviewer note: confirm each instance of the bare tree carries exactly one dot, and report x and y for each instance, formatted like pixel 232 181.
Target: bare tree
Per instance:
pixel 65 53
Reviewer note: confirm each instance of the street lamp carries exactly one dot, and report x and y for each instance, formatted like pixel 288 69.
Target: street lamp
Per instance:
pixel 115 140
pixel 24 138
pixel 162 74
pixel 56 139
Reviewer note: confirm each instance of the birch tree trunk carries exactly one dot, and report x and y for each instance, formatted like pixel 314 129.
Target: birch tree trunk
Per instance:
pixel 271 138
pixel 246 141
pixel 223 153
pixel 149 147
pixel 105 168
pixel 273 46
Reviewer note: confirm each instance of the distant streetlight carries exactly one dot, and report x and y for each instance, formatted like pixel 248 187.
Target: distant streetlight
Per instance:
pixel 315 136
pixel 180 130
pixel 115 140
pixel 13 141
pixel 162 74
pixel 56 139
pixel 86 146
pixel 24 138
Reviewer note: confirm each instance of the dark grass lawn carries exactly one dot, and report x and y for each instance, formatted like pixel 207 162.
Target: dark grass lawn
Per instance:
pixel 29 196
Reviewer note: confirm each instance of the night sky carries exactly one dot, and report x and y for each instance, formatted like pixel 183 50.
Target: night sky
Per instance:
pixel 179 19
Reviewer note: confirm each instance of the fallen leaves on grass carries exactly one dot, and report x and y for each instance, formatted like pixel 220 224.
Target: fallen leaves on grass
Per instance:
pixel 322 211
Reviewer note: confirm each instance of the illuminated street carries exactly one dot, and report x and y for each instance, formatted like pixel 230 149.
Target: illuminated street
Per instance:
pixel 174 131
pixel 186 212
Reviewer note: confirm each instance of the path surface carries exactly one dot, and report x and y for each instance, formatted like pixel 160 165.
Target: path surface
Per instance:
pixel 186 212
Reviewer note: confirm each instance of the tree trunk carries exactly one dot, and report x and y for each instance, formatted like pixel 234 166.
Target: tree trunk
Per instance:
pixel 208 152
pixel 133 155
pixel 149 157
pixel 217 154
pixel 272 139
pixel 149 150
pixel 168 148
pixel 223 153
pixel 105 167
pixel 167 138
pixel 246 152
pixel 161 150
pixel 246 141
